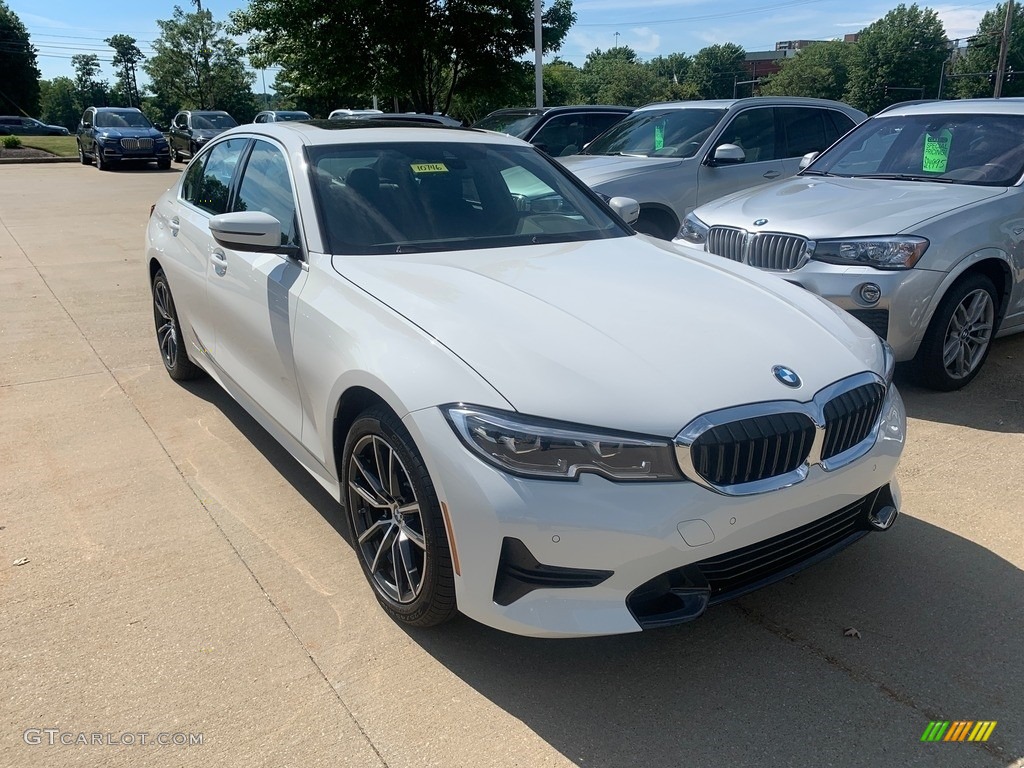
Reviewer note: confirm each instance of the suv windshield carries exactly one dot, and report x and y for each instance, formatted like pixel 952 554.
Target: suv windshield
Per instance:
pixel 955 149
pixel 445 196
pixel 122 120
pixel 516 124
pixel 658 133
pixel 212 120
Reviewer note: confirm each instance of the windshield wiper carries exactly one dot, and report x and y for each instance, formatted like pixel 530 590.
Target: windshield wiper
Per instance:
pixel 905 177
pixel 805 172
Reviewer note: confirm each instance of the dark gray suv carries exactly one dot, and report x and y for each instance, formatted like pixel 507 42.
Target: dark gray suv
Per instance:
pixel 192 128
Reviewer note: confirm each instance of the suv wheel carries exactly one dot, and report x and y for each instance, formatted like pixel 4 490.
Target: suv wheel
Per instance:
pixel 81 155
pixel 959 336
pixel 102 163
pixel 168 332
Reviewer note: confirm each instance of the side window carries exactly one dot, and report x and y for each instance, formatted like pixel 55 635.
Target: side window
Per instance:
pixel 267 187
pixel 597 123
pixel 556 134
pixel 215 184
pixel 804 129
pixel 754 131
pixel 181 121
pixel 840 124
pixel 260 118
pixel 191 185
pixel 87 117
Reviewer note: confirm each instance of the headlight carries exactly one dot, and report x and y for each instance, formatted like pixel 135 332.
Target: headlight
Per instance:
pixel 693 230
pixel 530 447
pixel 878 252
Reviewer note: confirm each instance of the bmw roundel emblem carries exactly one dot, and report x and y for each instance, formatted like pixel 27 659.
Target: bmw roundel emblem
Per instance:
pixel 787 376
pixel 760 222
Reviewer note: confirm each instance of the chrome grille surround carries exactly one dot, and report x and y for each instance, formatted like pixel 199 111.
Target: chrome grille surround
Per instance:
pixel 845 416
pixel 131 144
pixel 776 251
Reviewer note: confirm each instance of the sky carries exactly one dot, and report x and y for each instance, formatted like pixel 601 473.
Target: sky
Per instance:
pixel 61 28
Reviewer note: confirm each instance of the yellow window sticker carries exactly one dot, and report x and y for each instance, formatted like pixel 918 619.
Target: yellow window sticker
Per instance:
pixel 936 151
pixel 429 168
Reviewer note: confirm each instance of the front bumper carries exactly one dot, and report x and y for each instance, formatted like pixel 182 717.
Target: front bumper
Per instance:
pixel 115 151
pixel 606 540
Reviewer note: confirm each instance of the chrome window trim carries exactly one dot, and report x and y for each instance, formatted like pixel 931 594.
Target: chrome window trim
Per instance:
pixel 814 410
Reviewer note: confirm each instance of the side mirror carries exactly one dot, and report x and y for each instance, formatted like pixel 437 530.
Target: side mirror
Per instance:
pixel 160 127
pixel 627 208
pixel 247 231
pixel 808 159
pixel 729 154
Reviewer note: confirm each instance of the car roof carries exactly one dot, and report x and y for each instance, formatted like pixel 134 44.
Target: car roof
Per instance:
pixel 1007 106
pixel 747 101
pixel 560 109
pixel 117 109
pixel 369 131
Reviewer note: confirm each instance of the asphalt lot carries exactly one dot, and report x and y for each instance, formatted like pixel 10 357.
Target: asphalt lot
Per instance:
pixel 185 576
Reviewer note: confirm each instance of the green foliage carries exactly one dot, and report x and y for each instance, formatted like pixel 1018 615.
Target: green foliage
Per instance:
pixel 424 52
pixel 982 55
pixel 19 75
pixel 902 50
pixel 126 59
pixel 89 90
pixel 821 71
pixel 58 102
pixel 562 83
pixel 197 66
pixel 11 142
pixel 616 76
pixel 714 70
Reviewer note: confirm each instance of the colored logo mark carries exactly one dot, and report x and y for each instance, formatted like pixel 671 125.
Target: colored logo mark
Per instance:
pixel 958 730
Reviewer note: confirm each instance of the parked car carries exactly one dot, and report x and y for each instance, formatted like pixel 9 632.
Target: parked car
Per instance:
pixel 191 129
pixel 108 135
pixel 675 156
pixel 442 358
pixel 12 125
pixel 913 222
pixel 341 114
pixel 278 115
pixel 413 117
pixel 556 130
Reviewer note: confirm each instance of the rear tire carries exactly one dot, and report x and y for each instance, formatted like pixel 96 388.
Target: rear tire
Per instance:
pixel 397 526
pixel 959 336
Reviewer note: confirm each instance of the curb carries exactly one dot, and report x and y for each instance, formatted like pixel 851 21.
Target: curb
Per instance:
pixel 12 160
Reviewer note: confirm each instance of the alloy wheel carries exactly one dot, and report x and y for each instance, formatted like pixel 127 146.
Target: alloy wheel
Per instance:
pixel 968 334
pixel 166 328
pixel 387 520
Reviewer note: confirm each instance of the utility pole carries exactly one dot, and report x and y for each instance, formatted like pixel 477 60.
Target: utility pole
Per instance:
pixel 1004 45
pixel 538 55
pixel 616 39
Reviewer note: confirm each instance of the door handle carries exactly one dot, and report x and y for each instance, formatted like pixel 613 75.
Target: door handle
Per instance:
pixel 220 261
pixel 772 174
pixel 174 225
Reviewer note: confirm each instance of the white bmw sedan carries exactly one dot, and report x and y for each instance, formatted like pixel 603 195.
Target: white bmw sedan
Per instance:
pixel 530 414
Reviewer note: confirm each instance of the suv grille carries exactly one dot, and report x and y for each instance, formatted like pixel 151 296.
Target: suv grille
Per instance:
pixel 753 449
pixel 765 250
pixel 850 417
pixel 136 143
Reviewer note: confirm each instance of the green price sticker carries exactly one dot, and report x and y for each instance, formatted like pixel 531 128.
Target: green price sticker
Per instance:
pixel 936 151
pixel 659 137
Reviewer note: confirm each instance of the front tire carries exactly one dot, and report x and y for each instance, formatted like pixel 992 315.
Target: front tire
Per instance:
pixel 959 336
pixel 101 163
pixel 168 332
pixel 397 526
pixel 82 158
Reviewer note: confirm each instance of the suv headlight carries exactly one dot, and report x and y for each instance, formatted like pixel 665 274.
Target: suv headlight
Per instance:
pixel 530 447
pixel 693 230
pixel 877 252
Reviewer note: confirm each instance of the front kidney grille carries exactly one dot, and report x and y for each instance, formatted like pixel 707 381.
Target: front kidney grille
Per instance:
pixel 131 144
pixel 753 449
pixel 764 250
pixel 850 417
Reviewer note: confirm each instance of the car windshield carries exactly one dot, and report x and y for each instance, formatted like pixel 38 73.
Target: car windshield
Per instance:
pixel 658 133
pixel 445 196
pixel 212 120
pixel 122 120
pixel 952 148
pixel 516 124
pixel 293 116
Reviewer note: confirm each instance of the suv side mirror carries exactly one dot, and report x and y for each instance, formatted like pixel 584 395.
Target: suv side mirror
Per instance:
pixel 627 208
pixel 729 154
pixel 808 159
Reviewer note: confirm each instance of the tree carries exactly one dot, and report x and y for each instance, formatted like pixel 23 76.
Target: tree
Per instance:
pixel 562 83
pixel 714 70
pixel 898 58
pixel 197 66
pixel 126 58
pixel 982 55
pixel 670 73
pixel 58 102
pixel 420 51
pixel 90 91
pixel 616 76
pixel 821 70
pixel 19 83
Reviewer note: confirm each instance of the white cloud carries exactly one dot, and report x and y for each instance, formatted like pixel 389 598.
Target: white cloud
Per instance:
pixel 959 22
pixel 643 40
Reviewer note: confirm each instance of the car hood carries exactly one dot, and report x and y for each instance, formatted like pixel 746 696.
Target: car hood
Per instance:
pixel 594 170
pixel 207 133
pixel 626 333
pixel 820 207
pixel 133 133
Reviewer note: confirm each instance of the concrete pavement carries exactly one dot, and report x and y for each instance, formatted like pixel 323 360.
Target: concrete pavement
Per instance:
pixel 186 577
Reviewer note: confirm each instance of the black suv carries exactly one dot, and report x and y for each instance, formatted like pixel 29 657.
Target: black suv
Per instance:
pixel 109 135
pixel 192 128
pixel 556 130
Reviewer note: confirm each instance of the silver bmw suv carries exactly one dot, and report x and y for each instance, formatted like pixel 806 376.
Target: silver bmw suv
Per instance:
pixel 914 222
